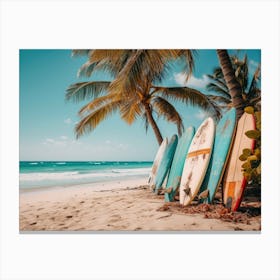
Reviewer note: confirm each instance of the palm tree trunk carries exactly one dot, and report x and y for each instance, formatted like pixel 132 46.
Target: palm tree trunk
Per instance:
pixel 153 123
pixel 232 83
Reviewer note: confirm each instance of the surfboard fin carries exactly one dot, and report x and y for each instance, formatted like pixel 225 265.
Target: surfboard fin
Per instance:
pixel 161 191
pixel 204 194
pixel 229 203
pixel 187 190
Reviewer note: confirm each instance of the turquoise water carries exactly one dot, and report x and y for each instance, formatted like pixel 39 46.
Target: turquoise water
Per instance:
pixel 36 174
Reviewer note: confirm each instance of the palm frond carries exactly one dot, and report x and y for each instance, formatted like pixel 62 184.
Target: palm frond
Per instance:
pixel 189 56
pixel 91 121
pixel 86 69
pixel 98 102
pixel 254 91
pixel 111 61
pixel 131 67
pixel 111 55
pixel 130 75
pixel 157 62
pixel 134 72
pixel 169 53
pixel 168 111
pixel 241 71
pixel 80 52
pixel 217 82
pixel 187 95
pixel 218 87
pixel 219 99
pixel 130 111
pixel 257 73
pixel 154 63
pixel 217 108
pixel 85 90
pixel 146 67
pixel 146 121
pixel 217 73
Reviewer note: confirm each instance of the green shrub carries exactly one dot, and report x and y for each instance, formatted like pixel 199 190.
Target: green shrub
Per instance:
pixel 252 159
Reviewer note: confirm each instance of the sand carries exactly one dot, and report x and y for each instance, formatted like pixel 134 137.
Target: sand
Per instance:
pixel 126 205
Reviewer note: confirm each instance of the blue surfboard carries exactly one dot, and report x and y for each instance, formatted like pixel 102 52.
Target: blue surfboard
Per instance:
pixel 223 140
pixel 165 163
pixel 174 177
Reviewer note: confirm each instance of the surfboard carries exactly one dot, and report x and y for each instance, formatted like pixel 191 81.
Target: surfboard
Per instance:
pixel 157 160
pixel 165 163
pixel 234 181
pixel 197 161
pixel 224 136
pixel 174 177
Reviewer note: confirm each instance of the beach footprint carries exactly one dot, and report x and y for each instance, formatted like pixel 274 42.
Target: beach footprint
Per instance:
pixel 115 218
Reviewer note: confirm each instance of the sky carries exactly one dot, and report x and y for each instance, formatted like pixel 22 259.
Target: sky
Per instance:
pixel 47 121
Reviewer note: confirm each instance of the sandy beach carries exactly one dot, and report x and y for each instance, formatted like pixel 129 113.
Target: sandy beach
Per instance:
pixel 126 205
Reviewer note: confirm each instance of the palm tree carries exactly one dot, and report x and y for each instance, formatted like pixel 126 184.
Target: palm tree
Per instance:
pixel 133 91
pixel 251 94
pixel 232 83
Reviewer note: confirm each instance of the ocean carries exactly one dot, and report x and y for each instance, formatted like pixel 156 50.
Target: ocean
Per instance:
pixel 39 174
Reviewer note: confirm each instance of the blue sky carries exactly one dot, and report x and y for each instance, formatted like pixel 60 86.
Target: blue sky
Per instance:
pixel 47 121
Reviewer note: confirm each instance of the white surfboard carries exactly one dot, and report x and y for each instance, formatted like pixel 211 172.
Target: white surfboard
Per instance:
pixel 197 161
pixel 234 181
pixel 157 161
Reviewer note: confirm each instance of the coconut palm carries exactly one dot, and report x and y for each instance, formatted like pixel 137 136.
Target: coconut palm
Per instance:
pixel 251 94
pixel 134 91
pixel 232 83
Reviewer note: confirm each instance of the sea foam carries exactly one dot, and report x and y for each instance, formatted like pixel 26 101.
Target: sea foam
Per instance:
pixel 41 174
pixel 55 176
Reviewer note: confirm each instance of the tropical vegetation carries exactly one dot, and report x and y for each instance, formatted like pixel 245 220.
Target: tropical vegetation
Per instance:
pixel 245 92
pixel 231 83
pixel 252 158
pixel 135 90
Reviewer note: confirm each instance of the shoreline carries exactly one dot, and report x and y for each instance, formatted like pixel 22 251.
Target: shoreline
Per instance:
pixel 121 206
pixel 99 185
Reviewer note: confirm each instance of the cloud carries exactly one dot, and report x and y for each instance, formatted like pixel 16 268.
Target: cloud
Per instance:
pixel 61 141
pixel 201 115
pixel 121 147
pixel 68 121
pixel 49 140
pixel 253 63
pixel 194 82
pixel 114 146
